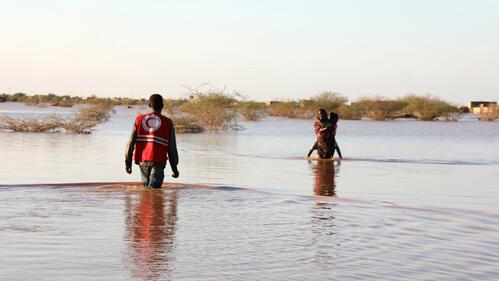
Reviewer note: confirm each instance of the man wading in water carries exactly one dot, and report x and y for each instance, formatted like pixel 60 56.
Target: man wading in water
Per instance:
pixel 153 141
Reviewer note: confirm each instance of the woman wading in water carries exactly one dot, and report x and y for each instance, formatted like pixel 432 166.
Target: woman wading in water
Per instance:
pixel 325 131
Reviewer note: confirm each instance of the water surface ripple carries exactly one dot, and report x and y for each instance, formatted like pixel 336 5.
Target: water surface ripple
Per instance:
pixel 411 200
pixel 118 232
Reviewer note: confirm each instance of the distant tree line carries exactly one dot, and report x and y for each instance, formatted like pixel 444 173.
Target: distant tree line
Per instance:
pixel 66 100
pixel 82 121
pixel 216 109
pixel 422 107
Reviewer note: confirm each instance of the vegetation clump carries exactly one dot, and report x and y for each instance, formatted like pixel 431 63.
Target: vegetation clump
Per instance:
pixel 282 109
pixel 82 122
pixel 379 108
pixel 186 124
pixel 31 124
pixel 328 100
pixel 213 109
pixel 67 100
pixel 427 108
pixel 251 110
pixel 306 108
pixel 350 111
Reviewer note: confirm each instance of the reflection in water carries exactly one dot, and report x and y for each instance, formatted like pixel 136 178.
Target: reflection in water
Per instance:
pixel 325 173
pixel 150 230
pixel 323 220
pixel 323 230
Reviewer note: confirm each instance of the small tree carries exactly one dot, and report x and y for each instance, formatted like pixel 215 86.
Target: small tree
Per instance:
pixel 380 108
pixel 251 110
pixel 283 109
pixel 18 97
pixel 427 108
pixel 213 109
pixel 328 100
pixel 350 112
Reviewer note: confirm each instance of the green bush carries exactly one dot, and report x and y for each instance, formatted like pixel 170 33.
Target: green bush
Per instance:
pixel 251 110
pixel 380 108
pixel 306 108
pixel 95 113
pixel 213 110
pixel 82 122
pixel 64 103
pixel 186 124
pixel 174 103
pixel 17 97
pixel 427 108
pixel 350 112
pixel 283 109
pixel 327 100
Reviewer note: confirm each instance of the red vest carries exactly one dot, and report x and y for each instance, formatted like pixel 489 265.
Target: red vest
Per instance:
pixel 153 135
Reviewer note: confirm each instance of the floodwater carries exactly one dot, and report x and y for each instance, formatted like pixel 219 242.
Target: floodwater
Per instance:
pixel 411 200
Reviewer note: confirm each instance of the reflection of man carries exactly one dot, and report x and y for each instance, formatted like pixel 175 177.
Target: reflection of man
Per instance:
pixel 325 173
pixel 150 232
pixel 152 142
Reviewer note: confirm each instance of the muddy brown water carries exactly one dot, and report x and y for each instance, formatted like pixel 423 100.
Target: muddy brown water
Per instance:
pixel 412 200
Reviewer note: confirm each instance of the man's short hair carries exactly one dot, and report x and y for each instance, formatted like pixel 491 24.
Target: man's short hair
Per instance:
pixel 156 101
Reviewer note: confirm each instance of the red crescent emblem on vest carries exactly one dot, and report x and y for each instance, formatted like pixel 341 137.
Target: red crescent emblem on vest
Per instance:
pixel 151 123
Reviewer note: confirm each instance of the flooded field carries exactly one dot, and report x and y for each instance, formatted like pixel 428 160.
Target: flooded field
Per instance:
pixel 411 200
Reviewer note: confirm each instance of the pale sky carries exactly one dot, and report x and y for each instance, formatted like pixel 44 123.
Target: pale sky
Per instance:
pixel 263 49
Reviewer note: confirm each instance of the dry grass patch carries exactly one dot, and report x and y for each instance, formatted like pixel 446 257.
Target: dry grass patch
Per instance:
pixel 82 122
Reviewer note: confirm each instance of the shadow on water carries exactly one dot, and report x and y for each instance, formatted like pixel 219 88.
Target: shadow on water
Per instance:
pixel 150 224
pixel 325 173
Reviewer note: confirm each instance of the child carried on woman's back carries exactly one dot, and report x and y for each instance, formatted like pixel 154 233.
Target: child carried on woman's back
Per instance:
pixel 331 124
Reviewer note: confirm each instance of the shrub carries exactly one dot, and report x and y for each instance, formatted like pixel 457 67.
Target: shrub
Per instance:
pixel 213 109
pixel 173 103
pixel 172 106
pixel 380 108
pixel 87 118
pixel 17 97
pixel 306 108
pixel 350 112
pixel 327 100
pixel 81 123
pixel 78 126
pixel 95 113
pixel 251 110
pixel 283 109
pixel 31 124
pixel 186 124
pixel 427 108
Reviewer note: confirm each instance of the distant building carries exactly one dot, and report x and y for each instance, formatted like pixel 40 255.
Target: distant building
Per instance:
pixel 482 107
